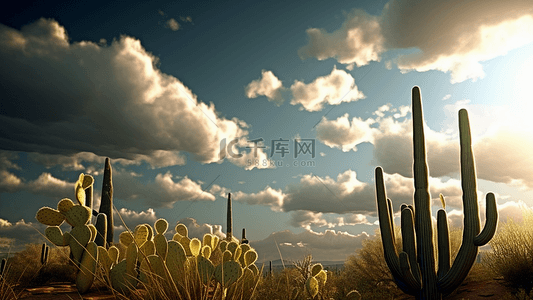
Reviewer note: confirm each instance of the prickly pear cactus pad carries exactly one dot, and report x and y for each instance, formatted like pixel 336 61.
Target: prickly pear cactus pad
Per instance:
pixel 311 285
pixel 65 205
pixel 49 216
pixel 250 257
pixel 195 245
pixel 182 230
pixel 205 269
pixel 85 277
pixel 228 273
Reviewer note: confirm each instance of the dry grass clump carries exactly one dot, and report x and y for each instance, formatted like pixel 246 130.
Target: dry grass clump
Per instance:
pixel 512 252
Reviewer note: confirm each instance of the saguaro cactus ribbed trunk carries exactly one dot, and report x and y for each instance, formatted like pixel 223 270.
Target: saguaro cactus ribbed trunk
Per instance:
pixel 106 204
pixel 414 268
pixel 229 220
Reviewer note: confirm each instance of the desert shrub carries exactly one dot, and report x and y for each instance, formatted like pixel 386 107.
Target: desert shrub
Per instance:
pixel 366 271
pixel 512 252
pixel 25 267
pixel 290 283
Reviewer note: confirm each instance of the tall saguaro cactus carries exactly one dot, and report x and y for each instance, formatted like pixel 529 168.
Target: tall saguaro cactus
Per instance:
pixel 229 220
pixel 106 205
pixel 414 268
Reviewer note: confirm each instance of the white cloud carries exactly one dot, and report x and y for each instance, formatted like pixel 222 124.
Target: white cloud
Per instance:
pixel 323 246
pixel 456 36
pixel 121 90
pixel 48 185
pixel 132 218
pixel 268 196
pixel 335 88
pixel 14 236
pixel 163 191
pixel 199 230
pixel 255 158
pixel 269 85
pixel 306 219
pixel 449 36
pixel 172 24
pixel 9 182
pixel 343 134
pixel 358 41
pixel 315 195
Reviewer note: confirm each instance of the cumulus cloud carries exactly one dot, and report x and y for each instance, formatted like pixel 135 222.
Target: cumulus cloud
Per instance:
pixel 255 158
pixel 199 230
pixel 44 185
pixel 48 185
pixel 110 100
pixel 132 218
pixel 14 236
pixel 455 36
pixel 306 219
pixel 172 24
pixel 323 246
pixel 335 88
pixel 359 40
pixel 450 36
pixel 314 195
pixel 162 191
pixel 268 196
pixel 343 134
pixel 269 85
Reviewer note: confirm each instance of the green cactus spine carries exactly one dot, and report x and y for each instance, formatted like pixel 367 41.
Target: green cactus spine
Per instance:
pixel 106 203
pixel 414 268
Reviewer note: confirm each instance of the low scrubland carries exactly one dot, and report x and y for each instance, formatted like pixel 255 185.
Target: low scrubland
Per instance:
pixel 365 274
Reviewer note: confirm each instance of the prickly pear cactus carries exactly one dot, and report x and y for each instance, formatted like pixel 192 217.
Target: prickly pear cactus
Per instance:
pixel 80 238
pixel 211 263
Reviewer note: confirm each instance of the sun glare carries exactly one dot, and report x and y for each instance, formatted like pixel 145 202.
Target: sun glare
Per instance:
pixel 523 93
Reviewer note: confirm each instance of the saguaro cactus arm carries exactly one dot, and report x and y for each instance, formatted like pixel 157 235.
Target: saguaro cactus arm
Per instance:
pixel 471 235
pixel 443 243
pixel 491 221
pixel 387 234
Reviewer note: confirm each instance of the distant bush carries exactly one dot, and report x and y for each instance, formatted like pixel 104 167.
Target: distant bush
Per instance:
pixel 25 267
pixel 512 252
pixel 290 283
pixel 367 272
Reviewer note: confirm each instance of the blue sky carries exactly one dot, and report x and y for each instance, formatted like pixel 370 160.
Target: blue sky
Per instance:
pixel 156 86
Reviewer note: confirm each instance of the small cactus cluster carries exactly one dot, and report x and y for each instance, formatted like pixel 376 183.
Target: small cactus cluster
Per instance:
pixel 313 277
pixel 151 259
pixel 207 265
